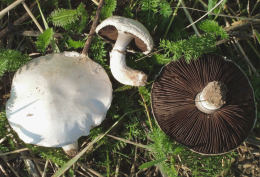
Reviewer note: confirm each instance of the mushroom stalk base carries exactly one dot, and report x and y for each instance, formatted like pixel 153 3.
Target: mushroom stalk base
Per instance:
pixel 120 71
pixel 71 149
pixel 211 98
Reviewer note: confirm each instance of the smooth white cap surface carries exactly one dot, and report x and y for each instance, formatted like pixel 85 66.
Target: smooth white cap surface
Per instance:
pixel 57 98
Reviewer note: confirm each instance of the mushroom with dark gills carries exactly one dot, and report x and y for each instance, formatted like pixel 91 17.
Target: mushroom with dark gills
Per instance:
pixel 207 105
pixel 122 31
pixel 57 98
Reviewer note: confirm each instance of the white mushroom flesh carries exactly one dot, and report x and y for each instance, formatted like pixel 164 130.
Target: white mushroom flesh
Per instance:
pixel 127 30
pixel 211 98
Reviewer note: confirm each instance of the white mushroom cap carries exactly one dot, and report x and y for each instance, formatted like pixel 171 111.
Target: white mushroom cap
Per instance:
pixel 57 98
pixel 129 26
pixel 123 30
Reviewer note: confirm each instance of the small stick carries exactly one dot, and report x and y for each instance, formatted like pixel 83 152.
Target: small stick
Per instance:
pixel 117 167
pixel 95 2
pixel 11 168
pixel 132 171
pixel 10 7
pixel 190 19
pixel 87 169
pixel 16 22
pixel 13 152
pixel 130 142
pixel 239 47
pixel 82 174
pixel 92 30
pixel 2 140
pixel 173 16
pixel 32 16
pixel 147 111
pixel 45 168
pixel 246 57
pixel 31 169
pixel 205 14
pixel 3 170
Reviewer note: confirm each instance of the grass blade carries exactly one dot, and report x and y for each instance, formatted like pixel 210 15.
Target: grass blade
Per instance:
pixel 151 163
pixel 65 167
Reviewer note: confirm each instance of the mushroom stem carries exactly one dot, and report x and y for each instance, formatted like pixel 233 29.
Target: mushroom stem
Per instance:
pixel 212 97
pixel 71 149
pixel 120 71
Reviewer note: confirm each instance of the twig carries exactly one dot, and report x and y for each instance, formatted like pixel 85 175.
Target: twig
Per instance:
pixel 147 111
pixel 82 174
pixel 45 168
pixel 12 169
pixel 237 45
pixel 92 29
pixel 3 170
pixel 243 24
pixel 84 167
pixel 16 22
pixel 190 19
pixel 31 167
pixel 254 49
pixel 32 16
pixel 13 152
pixel 95 2
pixel 2 139
pixel 246 57
pixel 10 7
pixel 132 170
pixel 205 14
pixel 43 18
pixel 252 19
pixel 173 16
pixel 117 167
pixel 35 33
pixel 130 142
pixel 37 165
pixel 46 26
pixel 149 55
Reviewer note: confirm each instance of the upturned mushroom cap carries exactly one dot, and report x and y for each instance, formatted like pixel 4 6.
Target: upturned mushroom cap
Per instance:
pixel 226 125
pixel 57 98
pixel 109 28
pixel 123 30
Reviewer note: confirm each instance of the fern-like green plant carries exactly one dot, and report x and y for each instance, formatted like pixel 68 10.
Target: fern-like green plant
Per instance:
pixel 64 17
pixel 164 151
pixel 8 144
pixel 194 46
pixel 191 48
pixel 212 27
pixel 157 6
pixel 11 60
pixel 70 19
pixel 108 8
pixel 81 25
pixel 98 52
pixel 75 44
pixel 44 39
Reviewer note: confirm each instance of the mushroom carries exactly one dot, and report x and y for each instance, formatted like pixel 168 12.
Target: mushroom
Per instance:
pixel 57 98
pixel 207 105
pixel 123 31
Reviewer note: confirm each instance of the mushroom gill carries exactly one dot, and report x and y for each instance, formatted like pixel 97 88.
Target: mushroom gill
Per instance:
pixel 173 104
